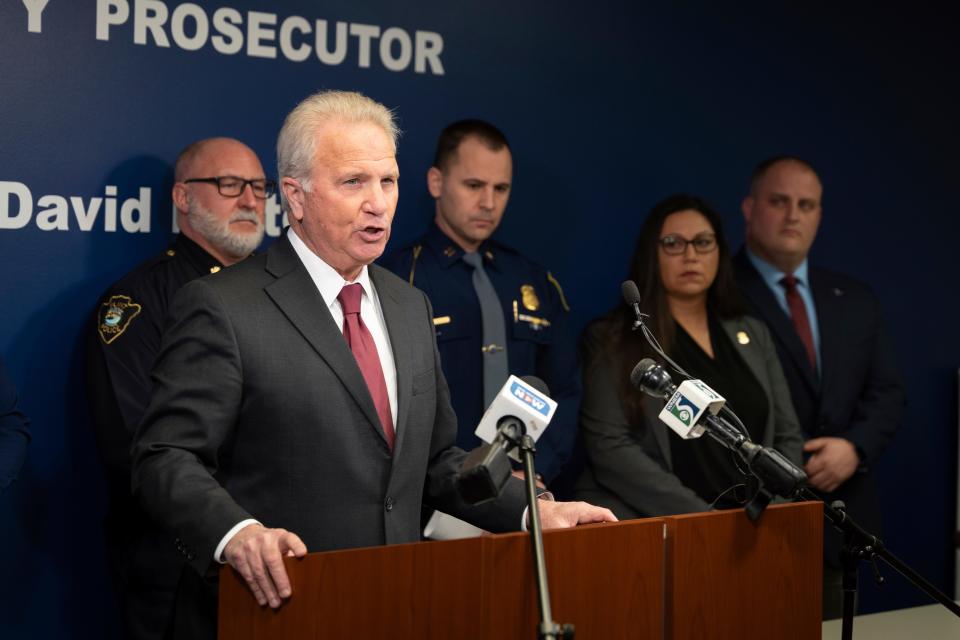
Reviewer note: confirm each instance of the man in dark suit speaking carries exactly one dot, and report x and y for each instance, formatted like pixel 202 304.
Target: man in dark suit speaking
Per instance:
pixel 836 356
pixel 302 388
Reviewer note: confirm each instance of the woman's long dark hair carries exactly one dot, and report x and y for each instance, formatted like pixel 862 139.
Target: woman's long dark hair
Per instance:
pixel 723 298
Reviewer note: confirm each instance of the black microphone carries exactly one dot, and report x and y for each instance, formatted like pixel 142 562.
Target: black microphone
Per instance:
pixel 651 378
pixel 631 295
pixel 779 475
pixel 537 384
pixel 487 468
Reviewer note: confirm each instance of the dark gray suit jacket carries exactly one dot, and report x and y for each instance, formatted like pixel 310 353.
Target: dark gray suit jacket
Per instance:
pixel 630 467
pixel 259 410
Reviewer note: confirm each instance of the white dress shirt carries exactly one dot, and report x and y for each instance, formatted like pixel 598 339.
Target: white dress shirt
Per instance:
pixel 329 283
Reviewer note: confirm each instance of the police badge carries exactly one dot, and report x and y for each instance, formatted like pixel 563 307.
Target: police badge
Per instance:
pixel 529 297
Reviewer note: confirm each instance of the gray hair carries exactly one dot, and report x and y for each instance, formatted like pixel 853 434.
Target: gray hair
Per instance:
pixel 297 142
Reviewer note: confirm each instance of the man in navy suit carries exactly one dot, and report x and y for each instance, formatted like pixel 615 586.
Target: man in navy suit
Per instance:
pixel 835 353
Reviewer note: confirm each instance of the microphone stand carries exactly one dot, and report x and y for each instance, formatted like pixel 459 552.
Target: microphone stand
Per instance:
pixel 780 477
pixel 514 432
pixel 859 544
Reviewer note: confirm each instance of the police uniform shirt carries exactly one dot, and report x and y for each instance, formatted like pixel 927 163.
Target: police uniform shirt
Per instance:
pixel 123 343
pixel 538 341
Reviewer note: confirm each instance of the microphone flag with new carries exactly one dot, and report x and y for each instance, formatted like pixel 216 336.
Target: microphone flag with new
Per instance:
pixel 524 398
pixel 521 407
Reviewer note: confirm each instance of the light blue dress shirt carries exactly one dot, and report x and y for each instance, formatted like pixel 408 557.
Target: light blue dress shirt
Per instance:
pixel 772 276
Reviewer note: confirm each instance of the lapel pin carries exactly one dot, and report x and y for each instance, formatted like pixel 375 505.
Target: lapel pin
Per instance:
pixel 742 337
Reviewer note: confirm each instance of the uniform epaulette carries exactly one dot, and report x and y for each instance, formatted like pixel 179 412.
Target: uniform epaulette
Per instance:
pixel 417 248
pixel 563 298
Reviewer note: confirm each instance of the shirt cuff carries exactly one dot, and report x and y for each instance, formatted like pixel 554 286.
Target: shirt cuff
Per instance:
pixel 542 494
pixel 218 554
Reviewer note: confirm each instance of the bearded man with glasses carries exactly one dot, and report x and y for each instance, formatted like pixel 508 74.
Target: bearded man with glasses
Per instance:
pixel 219 192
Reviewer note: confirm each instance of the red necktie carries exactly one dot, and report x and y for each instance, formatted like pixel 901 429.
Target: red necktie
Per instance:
pixel 801 322
pixel 364 350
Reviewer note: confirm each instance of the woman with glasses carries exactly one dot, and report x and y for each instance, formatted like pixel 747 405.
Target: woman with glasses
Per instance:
pixel 636 466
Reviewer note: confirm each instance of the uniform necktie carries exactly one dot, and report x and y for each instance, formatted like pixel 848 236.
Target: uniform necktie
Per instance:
pixel 364 350
pixel 801 321
pixel 495 366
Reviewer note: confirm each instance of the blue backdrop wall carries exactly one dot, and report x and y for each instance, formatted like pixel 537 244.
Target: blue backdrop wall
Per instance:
pixel 609 107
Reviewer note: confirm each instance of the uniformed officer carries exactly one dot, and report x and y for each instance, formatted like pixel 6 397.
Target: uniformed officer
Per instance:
pixel 496 313
pixel 219 193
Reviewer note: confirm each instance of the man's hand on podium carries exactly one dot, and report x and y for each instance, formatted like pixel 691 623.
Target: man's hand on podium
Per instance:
pixel 561 515
pixel 256 552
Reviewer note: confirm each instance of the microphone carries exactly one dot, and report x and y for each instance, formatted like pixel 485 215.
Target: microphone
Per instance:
pixel 527 400
pixel 522 407
pixel 691 411
pixel 631 295
pixel 691 408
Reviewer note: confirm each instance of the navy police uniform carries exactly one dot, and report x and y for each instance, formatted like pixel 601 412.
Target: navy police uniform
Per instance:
pixel 122 342
pixel 538 343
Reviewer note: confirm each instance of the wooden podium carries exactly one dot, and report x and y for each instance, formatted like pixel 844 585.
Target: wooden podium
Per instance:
pixel 714 575
pixel 729 578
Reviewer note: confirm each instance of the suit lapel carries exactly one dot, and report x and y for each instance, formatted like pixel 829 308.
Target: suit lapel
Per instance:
pixel 398 329
pixel 830 319
pixel 761 298
pixel 295 293
pixel 751 356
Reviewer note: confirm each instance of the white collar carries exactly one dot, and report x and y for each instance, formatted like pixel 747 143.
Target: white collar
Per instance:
pixel 328 281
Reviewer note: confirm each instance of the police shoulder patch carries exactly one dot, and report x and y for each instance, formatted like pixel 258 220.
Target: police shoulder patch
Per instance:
pixel 563 298
pixel 114 317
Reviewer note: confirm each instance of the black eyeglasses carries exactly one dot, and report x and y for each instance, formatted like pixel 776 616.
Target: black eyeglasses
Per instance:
pixel 233 186
pixel 674 245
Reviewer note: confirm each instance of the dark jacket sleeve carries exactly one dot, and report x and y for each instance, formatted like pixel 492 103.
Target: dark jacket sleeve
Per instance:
pixel 787 435
pixel 879 408
pixel 624 457
pixel 197 388
pixel 118 380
